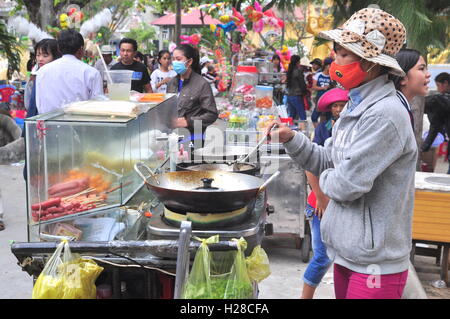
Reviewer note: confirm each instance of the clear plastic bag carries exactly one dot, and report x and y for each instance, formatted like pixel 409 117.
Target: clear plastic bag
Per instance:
pixel 69 277
pixel 258 267
pixel 218 275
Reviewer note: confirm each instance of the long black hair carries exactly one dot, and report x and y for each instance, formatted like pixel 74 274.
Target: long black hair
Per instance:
pixel 191 53
pixel 278 66
pixel 48 46
pixel 295 59
pixel 407 59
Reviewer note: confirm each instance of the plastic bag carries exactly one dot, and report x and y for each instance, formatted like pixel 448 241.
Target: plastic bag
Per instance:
pixel 218 274
pixel 71 277
pixel 258 264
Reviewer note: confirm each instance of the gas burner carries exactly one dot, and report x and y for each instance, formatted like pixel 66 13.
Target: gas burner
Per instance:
pixel 251 227
pixel 206 221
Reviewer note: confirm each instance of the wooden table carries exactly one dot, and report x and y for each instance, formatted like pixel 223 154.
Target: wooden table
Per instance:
pixel 431 220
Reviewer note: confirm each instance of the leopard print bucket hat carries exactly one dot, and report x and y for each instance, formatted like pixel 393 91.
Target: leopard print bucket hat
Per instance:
pixel 372 34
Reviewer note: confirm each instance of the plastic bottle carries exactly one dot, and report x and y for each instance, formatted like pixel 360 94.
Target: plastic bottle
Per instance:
pixel 253 120
pixel 173 151
pixel 235 120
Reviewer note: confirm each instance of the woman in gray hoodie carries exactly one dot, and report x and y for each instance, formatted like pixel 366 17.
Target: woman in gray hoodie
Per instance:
pixel 367 167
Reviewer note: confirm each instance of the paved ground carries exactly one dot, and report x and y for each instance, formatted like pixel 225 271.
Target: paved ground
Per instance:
pixel 17 284
pixel 286 265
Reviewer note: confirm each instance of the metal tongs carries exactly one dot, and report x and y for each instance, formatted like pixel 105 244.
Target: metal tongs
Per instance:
pixel 137 168
pixel 243 158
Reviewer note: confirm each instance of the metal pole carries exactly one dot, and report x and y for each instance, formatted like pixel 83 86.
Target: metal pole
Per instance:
pixel 182 258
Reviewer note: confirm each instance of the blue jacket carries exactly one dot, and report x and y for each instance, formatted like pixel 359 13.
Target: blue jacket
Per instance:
pixel 322 132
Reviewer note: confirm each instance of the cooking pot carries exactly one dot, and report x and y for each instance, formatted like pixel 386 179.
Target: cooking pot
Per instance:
pixel 244 168
pixel 221 153
pixel 203 191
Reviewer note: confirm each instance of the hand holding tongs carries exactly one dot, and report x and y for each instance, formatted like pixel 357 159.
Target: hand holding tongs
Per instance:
pixel 243 158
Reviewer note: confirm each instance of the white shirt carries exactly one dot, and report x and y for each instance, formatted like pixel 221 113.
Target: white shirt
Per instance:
pixel 157 76
pixel 66 80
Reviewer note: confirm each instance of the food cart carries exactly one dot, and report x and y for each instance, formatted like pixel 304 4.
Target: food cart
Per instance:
pixel 83 185
pixel 431 219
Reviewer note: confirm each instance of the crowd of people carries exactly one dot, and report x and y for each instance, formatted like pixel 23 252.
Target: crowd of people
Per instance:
pixel 60 61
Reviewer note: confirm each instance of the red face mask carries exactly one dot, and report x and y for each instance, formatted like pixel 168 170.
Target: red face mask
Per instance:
pixel 349 76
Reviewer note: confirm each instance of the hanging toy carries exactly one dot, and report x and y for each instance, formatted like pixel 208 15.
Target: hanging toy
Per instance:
pixel 238 18
pixel 172 47
pixel 259 18
pixel 225 19
pixel 75 16
pixel 64 21
pixel 191 39
pixel 285 57
pixel 271 19
pixel 228 27
pixel 253 14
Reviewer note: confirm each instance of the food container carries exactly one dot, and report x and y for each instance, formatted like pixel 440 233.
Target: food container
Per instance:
pixel 120 87
pixel 264 96
pixel 263 66
pixel 246 79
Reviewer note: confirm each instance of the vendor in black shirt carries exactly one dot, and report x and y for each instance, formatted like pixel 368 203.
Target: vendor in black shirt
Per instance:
pixel 141 79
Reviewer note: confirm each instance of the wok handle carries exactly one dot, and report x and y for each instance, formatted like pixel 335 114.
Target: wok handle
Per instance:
pixel 269 180
pixel 137 167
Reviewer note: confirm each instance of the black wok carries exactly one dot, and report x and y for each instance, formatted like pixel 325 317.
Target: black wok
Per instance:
pixel 244 168
pixel 204 191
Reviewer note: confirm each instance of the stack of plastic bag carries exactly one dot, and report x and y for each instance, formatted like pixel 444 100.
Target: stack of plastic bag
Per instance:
pixel 69 277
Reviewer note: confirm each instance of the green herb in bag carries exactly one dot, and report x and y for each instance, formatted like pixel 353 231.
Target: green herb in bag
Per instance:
pixel 219 275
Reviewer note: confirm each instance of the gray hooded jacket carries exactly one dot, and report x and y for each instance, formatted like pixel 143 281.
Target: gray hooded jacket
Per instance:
pixel 367 169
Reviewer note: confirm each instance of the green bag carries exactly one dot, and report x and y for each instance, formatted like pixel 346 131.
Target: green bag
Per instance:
pixel 218 275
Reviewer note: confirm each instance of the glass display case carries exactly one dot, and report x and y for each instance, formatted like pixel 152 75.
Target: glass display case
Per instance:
pixel 81 166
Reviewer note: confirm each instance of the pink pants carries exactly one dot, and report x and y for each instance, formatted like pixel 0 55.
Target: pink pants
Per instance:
pixel 352 285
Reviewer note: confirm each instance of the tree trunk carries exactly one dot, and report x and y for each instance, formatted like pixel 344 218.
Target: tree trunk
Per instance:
pixel 178 24
pixel 202 18
pixel 33 11
pixel 47 13
pixel 417 108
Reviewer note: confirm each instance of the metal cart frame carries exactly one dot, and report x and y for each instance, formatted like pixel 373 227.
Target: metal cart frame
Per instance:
pixel 110 251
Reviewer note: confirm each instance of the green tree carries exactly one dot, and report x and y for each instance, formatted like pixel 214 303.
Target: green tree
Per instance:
pixel 426 21
pixel 9 47
pixel 144 35
pixel 45 12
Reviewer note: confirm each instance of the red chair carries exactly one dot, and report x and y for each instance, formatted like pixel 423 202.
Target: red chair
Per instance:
pixel 6 92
